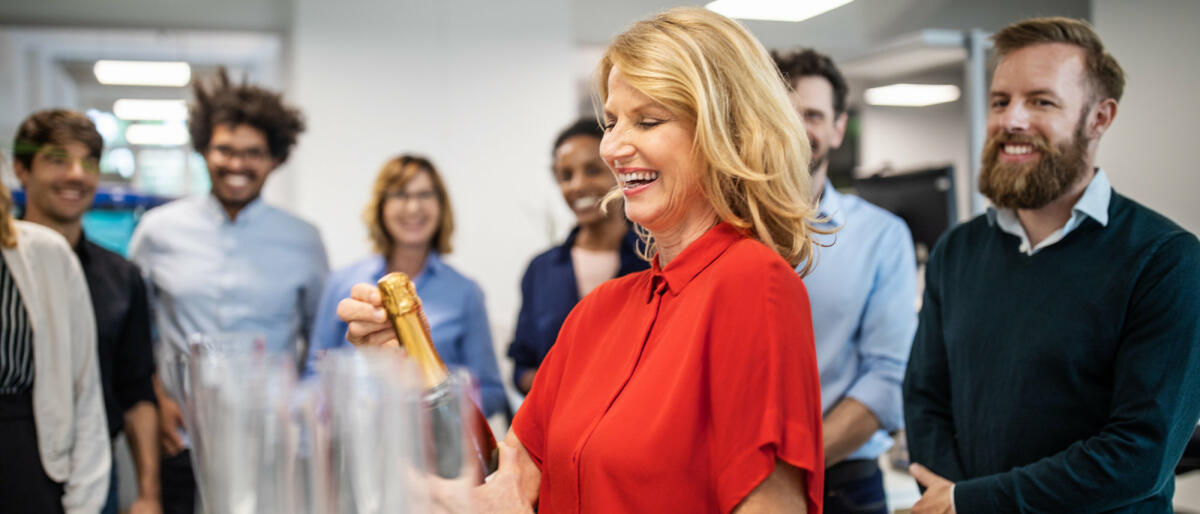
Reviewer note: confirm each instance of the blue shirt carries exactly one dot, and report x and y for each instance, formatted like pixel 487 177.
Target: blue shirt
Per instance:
pixel 1092 204
pixel 863 296
pixel 454 306
pixel 259 274
pixel 548 293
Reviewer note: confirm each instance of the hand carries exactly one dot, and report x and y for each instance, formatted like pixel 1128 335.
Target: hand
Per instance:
pixel 170 423
pixel 938 497
pixel 146 506
pixel 368 322
pixel 501 492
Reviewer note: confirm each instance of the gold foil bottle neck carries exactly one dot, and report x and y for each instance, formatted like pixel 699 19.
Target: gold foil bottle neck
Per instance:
pixel 403 306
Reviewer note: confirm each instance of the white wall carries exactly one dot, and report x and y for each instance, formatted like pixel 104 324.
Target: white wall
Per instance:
pixel 480 87
pixel 904 138
pixel 271 15
pixel 1149 153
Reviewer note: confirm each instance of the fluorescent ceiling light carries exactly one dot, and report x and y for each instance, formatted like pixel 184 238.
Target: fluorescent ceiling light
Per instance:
pixel 157 134
pixel 912 95
pixel 142 73
pixel 776 10
pixel 135 109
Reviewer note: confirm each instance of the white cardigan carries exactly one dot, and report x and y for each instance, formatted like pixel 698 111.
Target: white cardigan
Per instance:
pixel 67 406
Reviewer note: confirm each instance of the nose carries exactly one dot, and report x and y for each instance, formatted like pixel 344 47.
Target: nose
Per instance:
pixel 573 184
pixel 76 171
pixel 810 132
pixel 615 146
pixel 411 205
pixel 1015 117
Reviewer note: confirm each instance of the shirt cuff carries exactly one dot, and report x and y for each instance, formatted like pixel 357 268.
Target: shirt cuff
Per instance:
pixel 953 509
pixel 882 397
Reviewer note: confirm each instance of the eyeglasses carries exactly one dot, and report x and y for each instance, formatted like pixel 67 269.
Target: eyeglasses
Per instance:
pixel 404 196
pixel 60 160
pixel 254 155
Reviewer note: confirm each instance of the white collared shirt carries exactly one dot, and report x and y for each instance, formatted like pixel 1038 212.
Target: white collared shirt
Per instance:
pixel 1093 204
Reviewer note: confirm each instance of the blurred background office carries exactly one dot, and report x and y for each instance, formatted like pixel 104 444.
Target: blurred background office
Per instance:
pixel 481 86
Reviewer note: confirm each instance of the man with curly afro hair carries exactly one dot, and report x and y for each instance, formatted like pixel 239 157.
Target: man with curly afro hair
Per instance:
pixel 227 263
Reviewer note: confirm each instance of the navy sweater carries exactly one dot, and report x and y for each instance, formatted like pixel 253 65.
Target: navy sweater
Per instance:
pixel 1065 381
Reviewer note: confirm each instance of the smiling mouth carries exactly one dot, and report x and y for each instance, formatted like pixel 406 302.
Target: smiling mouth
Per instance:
pixel 585 202
pixel 1018 148
pixel 235 180
pixel 413 224
pixel 70 194
pixel 637 179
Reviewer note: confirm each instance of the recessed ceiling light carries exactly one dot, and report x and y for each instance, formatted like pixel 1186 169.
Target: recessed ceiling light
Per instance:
pixel 142 73
pixel 911 95
pixel 775 10
pixel 138 109
pixel 157 134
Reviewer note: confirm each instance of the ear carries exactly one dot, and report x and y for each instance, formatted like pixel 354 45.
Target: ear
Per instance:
pixel 1103 115
pixel 839 131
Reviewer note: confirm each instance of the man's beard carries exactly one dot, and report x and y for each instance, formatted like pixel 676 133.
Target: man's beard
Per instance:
pixel 1033 185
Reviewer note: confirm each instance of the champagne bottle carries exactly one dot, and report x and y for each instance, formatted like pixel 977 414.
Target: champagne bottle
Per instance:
pixel 447 415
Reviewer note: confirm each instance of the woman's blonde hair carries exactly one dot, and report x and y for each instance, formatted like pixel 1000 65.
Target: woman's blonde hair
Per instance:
pixel 395 174
pixel 8 227
pixel 710 71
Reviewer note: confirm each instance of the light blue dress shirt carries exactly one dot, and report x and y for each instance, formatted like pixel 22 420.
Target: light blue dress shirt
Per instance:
pixel 260 274
pixel 863 296
pixel 453 305
pixel 1093 204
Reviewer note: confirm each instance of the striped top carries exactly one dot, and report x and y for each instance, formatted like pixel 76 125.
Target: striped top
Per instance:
pixel 16 337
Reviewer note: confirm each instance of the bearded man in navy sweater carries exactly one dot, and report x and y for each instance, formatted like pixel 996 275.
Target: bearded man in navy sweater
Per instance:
pixel 1056 367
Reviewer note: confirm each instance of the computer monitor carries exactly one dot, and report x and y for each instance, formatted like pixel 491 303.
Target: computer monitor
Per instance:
pixel 924 199
pixel 111 219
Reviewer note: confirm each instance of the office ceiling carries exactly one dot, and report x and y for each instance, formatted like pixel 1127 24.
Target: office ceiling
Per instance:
pixel 846 32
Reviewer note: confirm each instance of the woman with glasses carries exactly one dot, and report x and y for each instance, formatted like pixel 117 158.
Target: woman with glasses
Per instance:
pixel 410 222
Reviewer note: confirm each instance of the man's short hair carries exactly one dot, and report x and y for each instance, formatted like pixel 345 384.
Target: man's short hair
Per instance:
pixel 1106 76
pixel 54 127
pixel 808 63
pixel 227 103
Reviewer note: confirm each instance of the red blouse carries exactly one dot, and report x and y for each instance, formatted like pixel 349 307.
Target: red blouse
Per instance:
pixel 674 390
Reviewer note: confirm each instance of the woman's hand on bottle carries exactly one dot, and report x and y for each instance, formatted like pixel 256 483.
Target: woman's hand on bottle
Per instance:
pixel 507 491
pixel 367 320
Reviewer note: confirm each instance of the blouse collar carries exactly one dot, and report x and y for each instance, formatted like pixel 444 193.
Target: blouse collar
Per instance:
pixel 695 257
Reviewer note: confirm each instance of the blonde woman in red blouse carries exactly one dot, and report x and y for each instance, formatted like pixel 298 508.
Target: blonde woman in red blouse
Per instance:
pixel 692 386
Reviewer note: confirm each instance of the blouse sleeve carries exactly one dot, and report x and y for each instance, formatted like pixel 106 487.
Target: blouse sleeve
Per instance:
pixel 765 390
pixel 328 331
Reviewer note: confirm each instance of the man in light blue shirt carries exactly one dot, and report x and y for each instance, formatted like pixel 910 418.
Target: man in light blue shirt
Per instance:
pixel 226 262
pixel 863 294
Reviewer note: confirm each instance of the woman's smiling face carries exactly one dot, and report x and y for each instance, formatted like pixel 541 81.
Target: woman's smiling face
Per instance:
pixel 651 152
pixel 582 177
